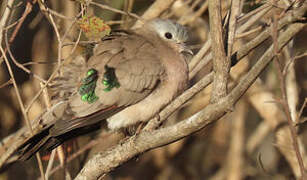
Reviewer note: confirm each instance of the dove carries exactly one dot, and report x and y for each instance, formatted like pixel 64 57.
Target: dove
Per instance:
pixel 130 77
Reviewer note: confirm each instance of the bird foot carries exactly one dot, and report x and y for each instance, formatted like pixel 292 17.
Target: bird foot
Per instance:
pixel 139 128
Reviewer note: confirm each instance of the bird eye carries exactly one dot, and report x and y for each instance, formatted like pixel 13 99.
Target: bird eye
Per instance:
pixel 168 35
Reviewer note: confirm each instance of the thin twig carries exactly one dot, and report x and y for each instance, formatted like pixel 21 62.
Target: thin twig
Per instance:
pixel 235 11
pixel 254 18
pixel 284 94
pixel 21 105
pixel 5 17
pixel 200 54
pixel 48 106
pixel 59 14
pixel 8 48
pixel 156 9
pixel 247 33
pixel 302 108
pixel 254 12
pixel 14 23
pixel 2 24
pixel 198 58
pixel 27 11
pixel 16 30
pixel 195 15
pixel 285 70
pixel 59 58
pixel 7 83
pixel 88 146
pixel 115 10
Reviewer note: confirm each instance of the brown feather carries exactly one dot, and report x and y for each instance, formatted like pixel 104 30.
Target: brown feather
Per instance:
pixel 150 71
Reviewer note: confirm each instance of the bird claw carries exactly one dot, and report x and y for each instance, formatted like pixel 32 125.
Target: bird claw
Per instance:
pixel 139 128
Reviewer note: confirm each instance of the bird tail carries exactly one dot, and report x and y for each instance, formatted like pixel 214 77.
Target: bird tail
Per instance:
pixel 33 145
pixel 45 141
pixel 61 127
pixel 60 131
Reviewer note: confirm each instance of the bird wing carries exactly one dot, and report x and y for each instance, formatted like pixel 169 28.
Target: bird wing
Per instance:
pixel 127 59
pixel 132 63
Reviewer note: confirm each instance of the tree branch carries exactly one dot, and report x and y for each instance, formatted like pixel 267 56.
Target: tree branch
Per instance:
pixel 221 65
pixel 106 161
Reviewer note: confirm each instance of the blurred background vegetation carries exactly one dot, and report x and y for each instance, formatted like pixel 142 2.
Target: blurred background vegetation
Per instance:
pixel 251 142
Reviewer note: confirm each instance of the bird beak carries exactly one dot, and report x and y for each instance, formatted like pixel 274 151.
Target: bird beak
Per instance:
pixel 185 50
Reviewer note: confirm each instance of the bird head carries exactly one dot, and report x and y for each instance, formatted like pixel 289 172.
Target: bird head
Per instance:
pixel 173 33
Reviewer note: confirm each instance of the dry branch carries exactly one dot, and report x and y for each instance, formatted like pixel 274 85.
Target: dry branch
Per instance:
pixel 106 161
pixel 151 137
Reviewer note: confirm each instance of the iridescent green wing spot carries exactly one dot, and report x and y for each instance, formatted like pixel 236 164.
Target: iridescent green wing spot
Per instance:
pixel 109 79
pixel 87 88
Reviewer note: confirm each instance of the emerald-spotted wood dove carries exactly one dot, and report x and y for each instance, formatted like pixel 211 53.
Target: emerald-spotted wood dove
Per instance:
pixel 130 77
